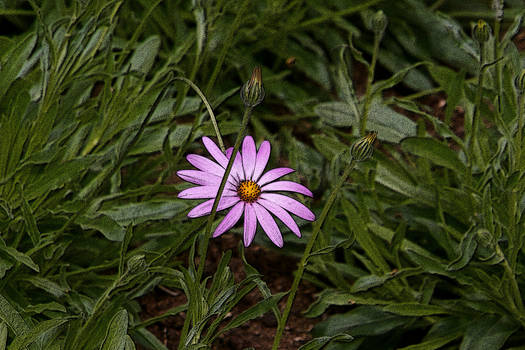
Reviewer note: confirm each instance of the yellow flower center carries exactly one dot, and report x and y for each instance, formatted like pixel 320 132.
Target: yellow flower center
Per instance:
pixel 248 191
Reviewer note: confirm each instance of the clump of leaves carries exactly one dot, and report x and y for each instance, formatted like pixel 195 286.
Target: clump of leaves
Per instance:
pixel 438 224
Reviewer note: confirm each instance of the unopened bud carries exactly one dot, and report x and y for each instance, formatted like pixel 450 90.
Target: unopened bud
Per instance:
pixel 379 23
pixel 363 148
pixel 136 264
pixel 481 31
pixel 252 92
pixel 520 82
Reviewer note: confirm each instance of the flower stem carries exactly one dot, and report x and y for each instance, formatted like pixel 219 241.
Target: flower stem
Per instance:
pixel 473 144
pixel 519 134
pixel 302 264
pixel 368 94
pixel 203 246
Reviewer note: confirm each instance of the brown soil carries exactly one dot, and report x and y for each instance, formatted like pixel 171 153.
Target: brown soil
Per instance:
pixel 276 270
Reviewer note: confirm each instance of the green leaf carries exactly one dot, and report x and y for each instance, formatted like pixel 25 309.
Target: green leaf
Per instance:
pixel 488 333
pixel 55 175
pixel 321 342
pixel 371 281
pixel 129 343
pixel 433 344
pixel 3 336
pixel 12 318
pixel 390 125
pixel 146 338
pixel 46 285
pixel 137 213
pixel 363 320
pixel 434 151
pixel 39 308
pixel 18 256
pixel 393 80
pixel 16 60
pixel 40 329
pixel 117 332
pixel 328 146
pixel 253 312
pixel 145 54
pixel 363 237
pixel 30 222
pixel 336 114
pixel 467 248
pixel 415 309
pixel 105 225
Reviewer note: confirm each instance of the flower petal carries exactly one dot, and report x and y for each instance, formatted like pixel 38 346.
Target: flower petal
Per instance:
pixel 214 151
pixel 205 164
pixel 230 219
pixel 268 224
pixel 262 159
pixel 199 177
pixel 249 152
pixel 281 214
pixel 250 224
pixel 289 186
pixel 290 204
pixel 237 169
pixel 200 192
pixel 273 174
pixel 205 208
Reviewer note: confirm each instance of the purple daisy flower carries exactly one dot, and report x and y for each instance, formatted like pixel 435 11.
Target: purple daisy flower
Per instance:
pixel 247 190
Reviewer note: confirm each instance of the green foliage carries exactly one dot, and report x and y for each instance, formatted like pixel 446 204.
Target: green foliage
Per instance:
pixel 101 100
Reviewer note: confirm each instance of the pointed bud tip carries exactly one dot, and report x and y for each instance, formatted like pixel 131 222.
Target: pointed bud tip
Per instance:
pixel 252 92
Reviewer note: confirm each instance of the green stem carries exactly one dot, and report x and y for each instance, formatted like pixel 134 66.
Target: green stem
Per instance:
pixel 208 107
pixel 473 147
pixel 81 338
pixel 338 14
pixel 203 247
pixel 306 254
pixel 368 94
pixel 516 302
pixel 519 134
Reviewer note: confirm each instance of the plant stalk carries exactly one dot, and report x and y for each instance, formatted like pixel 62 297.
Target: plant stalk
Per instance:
pixel 368 97
pixel 302 264
pixel 203 246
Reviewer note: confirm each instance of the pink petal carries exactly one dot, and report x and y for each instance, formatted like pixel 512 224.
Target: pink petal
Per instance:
pixel 268 224
pixel 290 204
pixel 200 192
pixel 199 177
pixel 289 186
pixel 281 214
pixel 262 159
pixel 250 224
pixel 249 153
pixel 215 151
pixel 205 208
pixel 237 169
pixel 204 164
pixel 274 174
pixel 230 219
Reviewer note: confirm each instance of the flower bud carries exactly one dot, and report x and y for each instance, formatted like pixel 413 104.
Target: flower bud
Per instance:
pixel 252 92
pixel 520 82
pixel 136 264
pixel 379 23
pixel 481 31
pixel 363 148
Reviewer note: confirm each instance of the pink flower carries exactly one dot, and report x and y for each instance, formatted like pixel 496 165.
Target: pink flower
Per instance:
pixel 248 191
